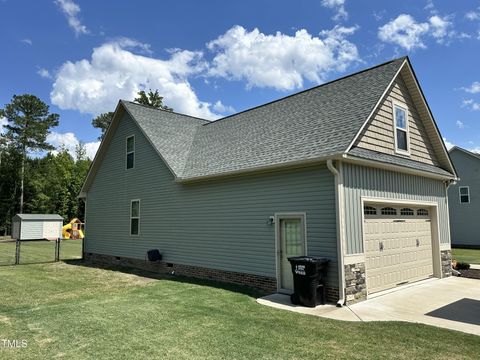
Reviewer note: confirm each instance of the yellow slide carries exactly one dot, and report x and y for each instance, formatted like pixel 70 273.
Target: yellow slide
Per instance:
pixel 73 230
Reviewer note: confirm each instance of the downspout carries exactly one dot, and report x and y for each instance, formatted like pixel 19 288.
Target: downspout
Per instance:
pixel 339 213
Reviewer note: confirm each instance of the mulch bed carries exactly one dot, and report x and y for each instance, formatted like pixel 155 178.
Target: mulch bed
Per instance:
pixel 471 273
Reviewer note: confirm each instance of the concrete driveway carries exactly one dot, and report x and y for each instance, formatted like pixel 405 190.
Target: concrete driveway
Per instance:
pixel 452 303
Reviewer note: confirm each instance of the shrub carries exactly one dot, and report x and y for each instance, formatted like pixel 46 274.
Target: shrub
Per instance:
pixel 462 266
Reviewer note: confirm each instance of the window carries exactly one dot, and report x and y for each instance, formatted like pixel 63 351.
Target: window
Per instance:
pixel 422 212
pixel 369 210
pixel 130 152
pixel 389 211
pixel 407 212
pixel 464 194
pixel 400 117
pixel 135 217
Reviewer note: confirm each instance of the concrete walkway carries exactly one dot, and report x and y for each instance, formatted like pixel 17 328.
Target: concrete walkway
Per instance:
pixel 452 303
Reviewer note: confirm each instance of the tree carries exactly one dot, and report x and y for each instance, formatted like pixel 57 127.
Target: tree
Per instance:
pixel 102 122
pixel 29 122
pixel 152 99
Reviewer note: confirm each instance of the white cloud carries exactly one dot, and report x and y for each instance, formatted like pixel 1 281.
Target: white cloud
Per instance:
pixel 439 26
pixel 71 10
pixel 409 34
pixel 460 124
pixel 404 31
pixel 69 141
pixel 339 6
pixel 44 73
pixel 281 61
pixel 473 89
pixel 473 15
pixel 113 72
pixel 475 150
pixel 448 144
pixel 223 109
pixel 471 104
pixel 3 122
pixel 27 41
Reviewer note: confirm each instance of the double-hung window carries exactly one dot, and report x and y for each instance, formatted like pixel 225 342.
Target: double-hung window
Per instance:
pixel 464 194
pixel 400 117
pixel 135 217
pixel 130 152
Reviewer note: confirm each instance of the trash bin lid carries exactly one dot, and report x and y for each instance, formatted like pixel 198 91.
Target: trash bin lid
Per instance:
pixel 308 259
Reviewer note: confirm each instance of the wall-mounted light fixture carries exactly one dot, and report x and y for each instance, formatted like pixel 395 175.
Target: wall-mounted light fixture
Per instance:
pixel 271 220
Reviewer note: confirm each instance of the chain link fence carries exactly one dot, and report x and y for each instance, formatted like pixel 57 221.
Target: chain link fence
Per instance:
pixel 39 251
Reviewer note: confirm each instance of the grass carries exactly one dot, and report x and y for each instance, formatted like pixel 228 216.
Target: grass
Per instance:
pixel 70 311
pixel 471 256
pixel 39 251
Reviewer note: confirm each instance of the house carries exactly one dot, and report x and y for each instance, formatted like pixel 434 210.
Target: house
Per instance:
pixel 354 170
pixel 463 200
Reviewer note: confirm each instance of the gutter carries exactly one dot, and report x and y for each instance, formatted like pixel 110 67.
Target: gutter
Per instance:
pixel 340 228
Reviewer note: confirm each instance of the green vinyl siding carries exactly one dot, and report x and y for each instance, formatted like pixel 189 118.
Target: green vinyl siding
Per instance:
pixel 361 181
pixel 219 223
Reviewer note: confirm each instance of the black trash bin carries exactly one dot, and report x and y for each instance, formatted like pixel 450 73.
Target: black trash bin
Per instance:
pixel 309 278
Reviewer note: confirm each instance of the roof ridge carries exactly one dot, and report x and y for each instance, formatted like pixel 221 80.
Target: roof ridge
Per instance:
pixel 309 89
pixel 170 112
pixel 468 152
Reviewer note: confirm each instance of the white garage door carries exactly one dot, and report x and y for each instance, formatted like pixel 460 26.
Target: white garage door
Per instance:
pixel 398 245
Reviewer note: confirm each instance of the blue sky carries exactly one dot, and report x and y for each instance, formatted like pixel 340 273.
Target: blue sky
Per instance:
pixel 212 58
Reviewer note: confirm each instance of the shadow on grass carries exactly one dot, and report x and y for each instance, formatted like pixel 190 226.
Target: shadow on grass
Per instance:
pixel 242 289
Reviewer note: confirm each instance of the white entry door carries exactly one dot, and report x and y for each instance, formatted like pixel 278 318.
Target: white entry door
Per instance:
pixel 292 243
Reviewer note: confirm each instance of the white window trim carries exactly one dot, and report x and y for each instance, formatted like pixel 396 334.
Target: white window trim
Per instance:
pixel 460 194
pixel 129 152
pixel 135 217
pixel 405 108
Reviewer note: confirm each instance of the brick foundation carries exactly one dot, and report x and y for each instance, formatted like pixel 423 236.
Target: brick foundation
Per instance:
pixel 264 283
pixel 267 284
pixel 446 256
pixel 355 286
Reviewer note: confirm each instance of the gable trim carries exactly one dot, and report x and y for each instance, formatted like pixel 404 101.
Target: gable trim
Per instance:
pixel 107 140
pixel 349 147
pixel 476 156
pixel 425 104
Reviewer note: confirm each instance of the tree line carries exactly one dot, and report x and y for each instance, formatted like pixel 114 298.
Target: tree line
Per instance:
pixel 49 184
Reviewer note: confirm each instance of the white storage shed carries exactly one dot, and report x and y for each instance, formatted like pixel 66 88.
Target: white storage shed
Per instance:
pixel 37 226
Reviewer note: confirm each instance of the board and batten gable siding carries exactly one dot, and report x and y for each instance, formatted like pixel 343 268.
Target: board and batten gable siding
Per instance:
pixel 220 224
pixel 379 134
pixel 464 221
pixel 361 181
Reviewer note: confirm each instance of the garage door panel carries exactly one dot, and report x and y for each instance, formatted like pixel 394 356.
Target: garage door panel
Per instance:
pixel 398 250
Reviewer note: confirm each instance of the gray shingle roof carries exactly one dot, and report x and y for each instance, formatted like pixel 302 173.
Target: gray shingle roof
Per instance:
pixel 396 160
pixel 39 217
pixel 170 133
pixel 315 123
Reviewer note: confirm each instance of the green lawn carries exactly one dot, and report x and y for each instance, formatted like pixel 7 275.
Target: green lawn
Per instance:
pixel 471 256
pixel 69 311
pixel 39 251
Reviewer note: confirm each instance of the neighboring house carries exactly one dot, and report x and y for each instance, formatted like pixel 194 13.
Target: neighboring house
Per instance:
pixel 464 200
pixel 354 170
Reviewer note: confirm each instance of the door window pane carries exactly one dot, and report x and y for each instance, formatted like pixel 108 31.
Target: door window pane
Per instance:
pixel 292 230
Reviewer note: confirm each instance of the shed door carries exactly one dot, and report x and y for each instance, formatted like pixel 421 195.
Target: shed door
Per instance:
pixel 51 230
pixel 398 243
